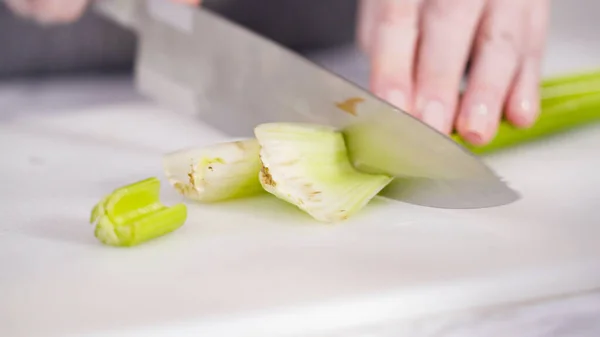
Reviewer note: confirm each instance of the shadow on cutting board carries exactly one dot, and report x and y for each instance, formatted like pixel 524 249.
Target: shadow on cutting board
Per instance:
pixel 265 212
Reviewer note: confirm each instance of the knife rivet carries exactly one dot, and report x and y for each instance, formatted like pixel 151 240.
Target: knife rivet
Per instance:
pixel 349 105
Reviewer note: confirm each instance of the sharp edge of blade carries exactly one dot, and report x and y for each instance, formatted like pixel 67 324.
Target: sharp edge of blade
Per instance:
pixel 450 194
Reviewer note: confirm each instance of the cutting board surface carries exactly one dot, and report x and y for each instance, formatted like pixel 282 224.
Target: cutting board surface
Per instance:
pixel 259 266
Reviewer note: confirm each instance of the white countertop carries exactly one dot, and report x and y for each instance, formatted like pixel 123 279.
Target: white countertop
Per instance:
pixel 570 49
pixel 572 316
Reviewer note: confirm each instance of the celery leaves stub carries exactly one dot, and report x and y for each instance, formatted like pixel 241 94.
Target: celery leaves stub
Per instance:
pixel 215 173
pixel 308 166
pixel 133 214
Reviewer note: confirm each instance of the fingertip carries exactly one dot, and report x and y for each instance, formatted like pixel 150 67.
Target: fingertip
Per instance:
pixel 522 113
pixel 523 103
pixel 477 138
pixel 477 124
pixel 474 138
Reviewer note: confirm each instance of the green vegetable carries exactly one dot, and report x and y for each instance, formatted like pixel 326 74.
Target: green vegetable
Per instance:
pixel 133 214
pixel 308 166
pixel 215 173
pixel 566 103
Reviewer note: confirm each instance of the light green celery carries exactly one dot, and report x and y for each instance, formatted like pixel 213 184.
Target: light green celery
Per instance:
pixel 217 172
pixel 566 103
pixel 133 214
pixel 308 166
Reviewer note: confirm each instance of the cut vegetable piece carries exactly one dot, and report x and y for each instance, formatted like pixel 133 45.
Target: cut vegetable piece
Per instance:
pixel 133 214
pixel 215 173
pixel 308 166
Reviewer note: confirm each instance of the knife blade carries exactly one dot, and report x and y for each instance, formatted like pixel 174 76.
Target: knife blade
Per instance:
pixel 195 61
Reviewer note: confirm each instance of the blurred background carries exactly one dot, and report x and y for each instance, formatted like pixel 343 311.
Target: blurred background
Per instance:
pixel 94 48
pixel 94 44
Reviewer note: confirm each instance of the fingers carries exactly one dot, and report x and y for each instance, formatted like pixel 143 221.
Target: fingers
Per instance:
pixel 49 11
pixel 522 107
pixel 368 17
pixel 392 52
pixel 23 8
pixel 447 33
pixel 19 7
pixel 497 55
pixel 59 11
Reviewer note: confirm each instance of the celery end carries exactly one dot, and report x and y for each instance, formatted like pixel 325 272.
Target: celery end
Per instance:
pixel 159 223
pixel 219 172
pixel 133 214
pixel 98 210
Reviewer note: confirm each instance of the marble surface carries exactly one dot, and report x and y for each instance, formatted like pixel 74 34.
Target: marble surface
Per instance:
pixel 578 315
pixel 572 47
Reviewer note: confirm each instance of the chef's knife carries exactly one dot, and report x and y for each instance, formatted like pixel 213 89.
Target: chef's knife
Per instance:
pixel 196 61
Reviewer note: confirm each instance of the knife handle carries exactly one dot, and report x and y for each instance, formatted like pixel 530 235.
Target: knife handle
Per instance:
pixel 567 102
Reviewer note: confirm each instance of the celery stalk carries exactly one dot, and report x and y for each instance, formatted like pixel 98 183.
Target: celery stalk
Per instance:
pixel 217 172
pixel 566 103
pixel 308 166
pixel 133 214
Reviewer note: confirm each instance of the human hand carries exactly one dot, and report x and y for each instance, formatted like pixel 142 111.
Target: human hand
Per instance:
pixel 419 50
pixel 48 11
pixel 58 11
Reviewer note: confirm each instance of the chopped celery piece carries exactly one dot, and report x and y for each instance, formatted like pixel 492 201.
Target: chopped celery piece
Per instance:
pixel 308 166
pixel 133 214
pixel 217 172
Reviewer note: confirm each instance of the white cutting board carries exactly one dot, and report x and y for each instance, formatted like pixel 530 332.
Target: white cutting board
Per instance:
pixel 259 267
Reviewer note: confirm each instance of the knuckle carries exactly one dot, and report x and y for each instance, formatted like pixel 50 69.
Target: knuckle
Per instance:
pixel 441 83
pixel 502 40
pixel 487 88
